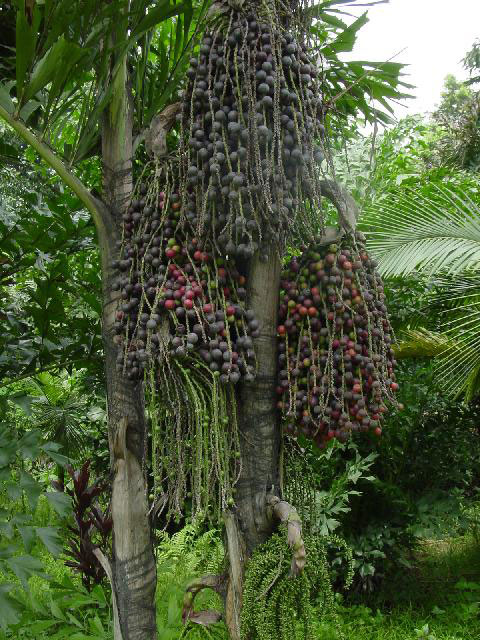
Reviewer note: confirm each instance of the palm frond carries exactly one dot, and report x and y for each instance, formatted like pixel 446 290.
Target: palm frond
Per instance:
pixel 456 358
pixel 421 343
pixel 61 413
pixel 434 230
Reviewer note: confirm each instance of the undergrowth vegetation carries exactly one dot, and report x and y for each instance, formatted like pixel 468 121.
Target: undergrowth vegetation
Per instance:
pixel 436 598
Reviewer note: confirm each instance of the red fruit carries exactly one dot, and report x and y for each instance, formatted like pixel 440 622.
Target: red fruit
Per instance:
pixel 222 272
pixel 347 265
pixel 330 258
pixel 394 386
pixel 170 304
pixel 315 291
pixel 205 257
pixel 188 303
pixel 189 295
pixel 170 253
pixel 377 431
pixel 312 312
pixel 303 311
pixel 197 255
pixel 230 310
pixel 207 308
pixel 357 388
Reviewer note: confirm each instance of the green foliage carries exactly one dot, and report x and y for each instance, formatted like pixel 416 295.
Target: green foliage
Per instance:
pixel 186 554
pixel 63 610
pixel 427 462
pixel 17 525
pixel 61 71
pixel 321 483
pixel 458 115
pixel 49 273
pixel 434 229
pixel 430 230
pixel 277 605
pixel 352 88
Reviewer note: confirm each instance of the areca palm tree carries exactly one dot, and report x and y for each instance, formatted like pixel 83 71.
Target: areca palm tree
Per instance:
pixel 435 231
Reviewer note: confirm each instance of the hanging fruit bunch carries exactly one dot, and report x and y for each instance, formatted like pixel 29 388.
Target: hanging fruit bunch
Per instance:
pixel 252 134
pixel 248 164
pixel 184 329
pixel 335 361
pixel 179 300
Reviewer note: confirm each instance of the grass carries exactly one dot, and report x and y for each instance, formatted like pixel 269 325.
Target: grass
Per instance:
pixel 437 599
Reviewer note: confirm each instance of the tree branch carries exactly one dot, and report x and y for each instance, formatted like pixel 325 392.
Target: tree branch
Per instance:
pixel 97 209
pixel 348 211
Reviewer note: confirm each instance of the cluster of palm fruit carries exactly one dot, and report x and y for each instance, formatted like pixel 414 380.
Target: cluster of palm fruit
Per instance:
pixel 178 298
pixel 251 134
pixel 335 360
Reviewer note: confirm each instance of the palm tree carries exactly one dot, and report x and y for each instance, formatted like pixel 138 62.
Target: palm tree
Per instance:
pixel 435 231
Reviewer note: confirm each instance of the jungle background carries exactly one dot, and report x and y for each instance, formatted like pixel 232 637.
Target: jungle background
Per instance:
pixel 407 503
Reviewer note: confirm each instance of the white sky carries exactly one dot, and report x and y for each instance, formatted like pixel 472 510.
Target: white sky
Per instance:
pixel 436 34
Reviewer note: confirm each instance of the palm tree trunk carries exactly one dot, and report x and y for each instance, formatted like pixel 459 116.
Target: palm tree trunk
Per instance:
pixel 133 566
pixel 250 525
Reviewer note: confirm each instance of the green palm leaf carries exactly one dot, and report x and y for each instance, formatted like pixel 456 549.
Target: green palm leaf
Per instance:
pixel 456 348
pixel 61 413
pixel 432 230
pixel 421 343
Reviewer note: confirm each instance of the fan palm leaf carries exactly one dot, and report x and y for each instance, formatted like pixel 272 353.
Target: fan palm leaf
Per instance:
pixel 61 412
pixel 435 231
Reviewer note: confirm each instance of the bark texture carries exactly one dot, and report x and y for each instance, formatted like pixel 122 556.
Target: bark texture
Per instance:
pixel 250 525
pixel 133 564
